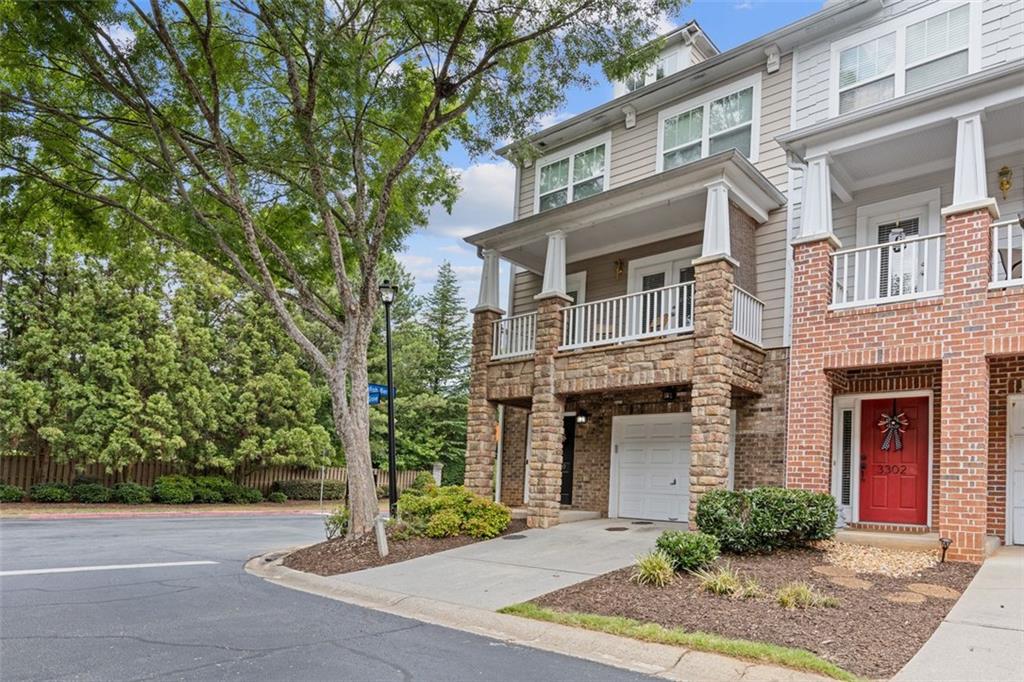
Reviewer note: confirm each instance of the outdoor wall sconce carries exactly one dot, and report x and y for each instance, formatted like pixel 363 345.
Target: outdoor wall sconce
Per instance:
pixel 669 394
pixel 945 542
pixel 620 267
pixel 1005 180
pixel 582 416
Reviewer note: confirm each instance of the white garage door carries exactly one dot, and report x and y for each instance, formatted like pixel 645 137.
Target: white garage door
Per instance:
pixel 651 467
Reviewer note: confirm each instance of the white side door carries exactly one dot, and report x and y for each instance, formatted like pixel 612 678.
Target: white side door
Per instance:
pixel 651 467
pixel 1015 470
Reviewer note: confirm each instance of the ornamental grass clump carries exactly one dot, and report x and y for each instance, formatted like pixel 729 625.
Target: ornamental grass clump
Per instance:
pixel 800 595
pixel 727 582
pixel 654 568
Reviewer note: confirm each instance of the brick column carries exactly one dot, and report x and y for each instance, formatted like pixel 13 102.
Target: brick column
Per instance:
pixel 809 415
pixel 546 421
pixel 963 463
pixel 482 419
pixel 711 395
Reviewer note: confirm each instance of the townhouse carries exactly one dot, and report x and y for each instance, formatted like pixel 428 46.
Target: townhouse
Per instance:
pixel 796 262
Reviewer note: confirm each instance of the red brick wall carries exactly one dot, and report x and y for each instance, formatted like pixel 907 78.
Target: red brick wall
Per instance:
pixel 1006 376
pixel 959 330
pixel 513 456
pixel 761 427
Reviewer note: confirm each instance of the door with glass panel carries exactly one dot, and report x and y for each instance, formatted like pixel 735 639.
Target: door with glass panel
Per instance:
pixel 902 266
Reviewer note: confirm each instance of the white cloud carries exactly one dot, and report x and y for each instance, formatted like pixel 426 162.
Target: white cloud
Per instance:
pixel 485 201
pixel 743 5
pixel 665 24
pixel 121 35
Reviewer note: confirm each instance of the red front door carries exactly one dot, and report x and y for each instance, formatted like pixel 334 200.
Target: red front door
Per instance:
pixel 894 481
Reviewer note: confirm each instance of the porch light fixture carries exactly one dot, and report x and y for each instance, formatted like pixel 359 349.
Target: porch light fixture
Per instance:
pixel 945 542
pixel 1005 180
pixel 620 267
pixel 669 394
pixel 582 416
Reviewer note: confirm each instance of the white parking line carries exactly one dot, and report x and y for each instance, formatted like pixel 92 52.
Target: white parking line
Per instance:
pixel 113 567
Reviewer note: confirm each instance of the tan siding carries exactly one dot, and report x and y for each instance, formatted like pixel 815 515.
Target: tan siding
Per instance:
pixel 527 285
pixel 526 186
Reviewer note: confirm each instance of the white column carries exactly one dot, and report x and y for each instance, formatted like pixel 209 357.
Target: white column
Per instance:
pixel 717 239
pixel 970 188
pixel 554 266
pixel 816 208
pixel 488 299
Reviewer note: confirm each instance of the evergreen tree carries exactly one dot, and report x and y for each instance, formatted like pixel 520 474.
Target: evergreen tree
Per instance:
pixel 446 317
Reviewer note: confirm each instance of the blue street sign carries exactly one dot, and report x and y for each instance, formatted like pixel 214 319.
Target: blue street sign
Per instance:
pixel 378 392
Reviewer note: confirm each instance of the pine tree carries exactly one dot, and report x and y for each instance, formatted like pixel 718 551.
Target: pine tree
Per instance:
pixel 446 318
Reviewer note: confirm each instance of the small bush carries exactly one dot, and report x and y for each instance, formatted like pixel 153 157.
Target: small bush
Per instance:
pixel 654 568
pixel 765 519
pixel 213 489
pixel 800 595
pixel 485 518
pixel 382 492
pixel 688 551
pixel 91 493
pixel 444 523
pixel 336 523
pixel 11 493
pixel 174 489
pixel 401 530
pixel 310 489
pixel 277 497
pixel 243 495
pixel 422 483
pixel 132 493
pixel 50 492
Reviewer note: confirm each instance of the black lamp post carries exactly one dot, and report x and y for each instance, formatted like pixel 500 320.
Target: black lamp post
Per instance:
pixel 387 296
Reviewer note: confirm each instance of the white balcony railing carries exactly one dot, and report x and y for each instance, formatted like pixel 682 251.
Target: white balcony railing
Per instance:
pixel 1007 253
pixel 883 273
pixel 747 312
pixel 514 336
pixel 658 312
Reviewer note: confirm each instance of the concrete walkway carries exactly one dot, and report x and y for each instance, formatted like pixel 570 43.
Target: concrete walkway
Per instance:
pixel 512 569
pixel 982 638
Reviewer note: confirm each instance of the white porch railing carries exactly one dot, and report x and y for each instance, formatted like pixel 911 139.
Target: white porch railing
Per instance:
pixel 658 312
pixel 747 312
pixel 514 336
pixel 883 273
pixel 1007 253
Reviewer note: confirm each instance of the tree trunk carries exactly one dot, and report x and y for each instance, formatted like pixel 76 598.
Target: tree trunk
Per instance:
pixel 353 429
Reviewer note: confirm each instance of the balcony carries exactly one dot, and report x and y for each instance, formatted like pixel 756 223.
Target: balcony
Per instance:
pixel 1008 253
pixel 747 313
pixel 514 337
pixel 886 273
pixel 646 314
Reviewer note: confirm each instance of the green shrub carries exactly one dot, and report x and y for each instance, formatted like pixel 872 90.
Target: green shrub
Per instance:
pixel 277 497
pixel 11 493
pixel 654 568
pixel 213 489
pixel 91 493
pixel 310 490
pixel 422 483
pixel 485 518
pixel 132 493
pixel 444 523
pixel 174 489
pixel 243 495
pixel 800 595
pixel 765 519
pixel 336 523
pixel 688 551
pixel 50 492
pixel 382 492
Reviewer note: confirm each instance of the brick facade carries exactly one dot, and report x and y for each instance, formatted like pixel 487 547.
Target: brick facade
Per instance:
pixel 482 420
pixel 960 330
pixel 761 427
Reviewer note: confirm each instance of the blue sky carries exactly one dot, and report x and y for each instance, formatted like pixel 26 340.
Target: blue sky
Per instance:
pixel 487 182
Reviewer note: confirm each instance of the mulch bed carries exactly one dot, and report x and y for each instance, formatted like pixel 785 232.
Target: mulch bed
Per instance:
pixel 867 634
pixel 342 555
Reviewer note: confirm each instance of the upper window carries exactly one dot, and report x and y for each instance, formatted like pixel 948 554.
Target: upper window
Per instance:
pixel 667 64
pixel 577 174
pixel 723 120
pixel 899 58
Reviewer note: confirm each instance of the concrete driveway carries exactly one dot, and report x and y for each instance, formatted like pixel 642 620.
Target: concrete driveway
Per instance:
pixel 516 568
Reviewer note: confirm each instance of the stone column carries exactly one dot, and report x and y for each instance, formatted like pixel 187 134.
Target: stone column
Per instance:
pixel 809 414
pixel 711 395
pixel 482 418
pixel 547 413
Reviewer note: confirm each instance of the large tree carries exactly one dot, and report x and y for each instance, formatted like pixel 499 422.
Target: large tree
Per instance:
pixel 446 317
pixel 289 142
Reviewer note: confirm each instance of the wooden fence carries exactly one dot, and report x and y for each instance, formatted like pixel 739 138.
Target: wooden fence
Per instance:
pixel 25 472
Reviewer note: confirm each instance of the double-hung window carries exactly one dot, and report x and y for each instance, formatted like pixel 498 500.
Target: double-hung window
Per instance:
pixel 575 175
pixel 903 56
pixel 724 119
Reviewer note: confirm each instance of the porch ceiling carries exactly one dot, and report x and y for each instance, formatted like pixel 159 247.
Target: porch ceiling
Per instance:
pixel 660 206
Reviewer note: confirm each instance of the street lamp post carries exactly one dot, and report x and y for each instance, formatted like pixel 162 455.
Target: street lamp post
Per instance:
pixel 387 296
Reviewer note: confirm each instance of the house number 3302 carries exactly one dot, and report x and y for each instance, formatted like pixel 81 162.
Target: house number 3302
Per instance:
pixel 892 468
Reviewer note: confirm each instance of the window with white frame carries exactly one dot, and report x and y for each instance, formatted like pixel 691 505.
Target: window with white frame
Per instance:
pixel 666 65
pixel 723 120
pixel 577 174
pixel 904 56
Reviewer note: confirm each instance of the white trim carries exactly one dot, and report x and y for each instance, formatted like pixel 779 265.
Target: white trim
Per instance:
pixel 899 27
pixel 1008 504
pixel 855 399
pixel 613 464
pixel 842 404
pixel 668 259
pixel 730 480
pixel 704 100
pixel 577 281
pixel 499 453
pixel 925 206
pixel 567 153
pixel 527 455
pixel 661 235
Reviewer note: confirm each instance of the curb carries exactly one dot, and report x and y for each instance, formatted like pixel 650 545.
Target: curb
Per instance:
pixel 157 515
pixel 660 660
